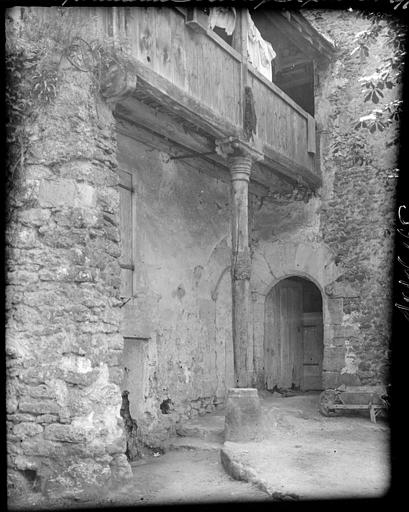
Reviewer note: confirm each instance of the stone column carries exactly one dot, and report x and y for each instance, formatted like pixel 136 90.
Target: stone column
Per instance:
pixel 240 169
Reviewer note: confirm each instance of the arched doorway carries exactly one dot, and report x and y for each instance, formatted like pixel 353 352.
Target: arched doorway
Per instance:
pixel 293 335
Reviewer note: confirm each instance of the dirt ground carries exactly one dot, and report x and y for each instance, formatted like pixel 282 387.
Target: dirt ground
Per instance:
pixel 186 476
pixel 301 455
pixel 176 478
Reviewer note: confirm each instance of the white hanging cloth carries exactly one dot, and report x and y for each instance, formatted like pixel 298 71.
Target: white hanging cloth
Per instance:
pixel 259 51
pixel 223 17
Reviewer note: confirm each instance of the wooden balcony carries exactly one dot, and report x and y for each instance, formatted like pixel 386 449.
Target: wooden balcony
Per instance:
pixel 190 90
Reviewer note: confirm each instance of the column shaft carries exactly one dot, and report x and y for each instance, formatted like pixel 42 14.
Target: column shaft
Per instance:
pixel 240 168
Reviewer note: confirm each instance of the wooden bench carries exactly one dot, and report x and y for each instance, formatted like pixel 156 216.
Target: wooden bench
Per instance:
pixel 353 398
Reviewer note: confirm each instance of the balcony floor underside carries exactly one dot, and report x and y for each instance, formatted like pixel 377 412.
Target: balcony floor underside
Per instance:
pixel 158 106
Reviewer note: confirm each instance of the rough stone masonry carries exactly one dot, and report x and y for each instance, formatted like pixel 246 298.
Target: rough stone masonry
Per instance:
pixel 63 343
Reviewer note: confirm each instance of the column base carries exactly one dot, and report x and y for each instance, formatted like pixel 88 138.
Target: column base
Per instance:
pixel 243 415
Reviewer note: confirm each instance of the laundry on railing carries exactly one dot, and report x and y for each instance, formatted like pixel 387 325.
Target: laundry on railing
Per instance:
pixel 223 17
pixel 260 52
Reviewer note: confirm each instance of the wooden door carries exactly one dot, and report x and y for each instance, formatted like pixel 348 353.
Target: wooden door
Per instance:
pixel 283 335
pixel 313 351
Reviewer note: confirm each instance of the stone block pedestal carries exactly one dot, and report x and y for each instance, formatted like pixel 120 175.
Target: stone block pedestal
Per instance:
pixel 243 415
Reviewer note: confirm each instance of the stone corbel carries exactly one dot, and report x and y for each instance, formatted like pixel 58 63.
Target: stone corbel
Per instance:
pixel 117 84
pixel 234 146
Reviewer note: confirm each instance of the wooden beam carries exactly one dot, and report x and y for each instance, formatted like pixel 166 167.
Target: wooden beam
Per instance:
pixel 160 131
pixel 289 30
pixel 311 142
pixel 196 19
pixel 325 47
pixel 149 125
pixel 293 83
pixel 283 165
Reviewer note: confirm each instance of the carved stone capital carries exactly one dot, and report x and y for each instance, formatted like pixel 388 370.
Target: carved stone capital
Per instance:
pixel 117 84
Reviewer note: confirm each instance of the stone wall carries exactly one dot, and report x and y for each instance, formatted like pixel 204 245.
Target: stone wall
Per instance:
pixel 358 199
pixel 65 433
pixel 342 239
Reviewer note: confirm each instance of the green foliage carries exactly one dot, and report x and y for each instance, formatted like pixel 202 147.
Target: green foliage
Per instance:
pixel 351 149
pixel 387 75
pixel 38 43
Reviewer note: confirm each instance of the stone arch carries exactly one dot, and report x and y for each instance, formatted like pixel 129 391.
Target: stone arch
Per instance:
pixel 275 261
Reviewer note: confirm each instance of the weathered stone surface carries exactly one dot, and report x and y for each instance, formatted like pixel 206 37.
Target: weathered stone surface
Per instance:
pixel 29 429
pixel 60 193
pixel 61 240
pixel 17 417
pixel 35 216
pixel 85 477
pixel 46 418
pixel 65 433
pixel 41 391
pixel 341 289
pixel 120 468
pixel 24 463
pixel 39 407
pixel 334 358
pixel 335 311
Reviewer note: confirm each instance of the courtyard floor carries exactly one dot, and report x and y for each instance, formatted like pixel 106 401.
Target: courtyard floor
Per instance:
pixel 303 455
pixel 300 455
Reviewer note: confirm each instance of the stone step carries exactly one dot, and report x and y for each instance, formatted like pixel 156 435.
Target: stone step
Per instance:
pixel 209 428
pixel 193 443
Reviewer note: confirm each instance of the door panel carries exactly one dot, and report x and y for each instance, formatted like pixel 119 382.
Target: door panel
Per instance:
pixel 283 335
pixel 291 341
pixel 313 351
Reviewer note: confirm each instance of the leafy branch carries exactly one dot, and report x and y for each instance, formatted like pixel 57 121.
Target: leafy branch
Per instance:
pixel 351 149
pixel 36 47
pixel 387 76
